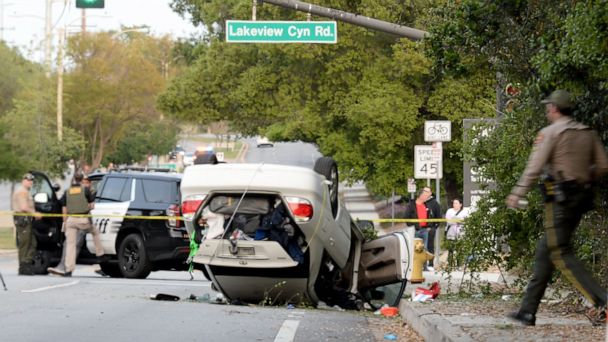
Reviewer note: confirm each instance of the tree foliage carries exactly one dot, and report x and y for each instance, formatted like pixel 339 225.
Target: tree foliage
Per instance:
pixel 111 90
pixel 539 46
pixel 28 121
pixel 362 101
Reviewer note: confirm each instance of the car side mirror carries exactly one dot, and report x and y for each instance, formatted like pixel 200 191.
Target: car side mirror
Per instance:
pixel 41 198
pixel 56 187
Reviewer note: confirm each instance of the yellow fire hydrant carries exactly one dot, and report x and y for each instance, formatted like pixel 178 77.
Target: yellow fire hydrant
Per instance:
pixel 421 256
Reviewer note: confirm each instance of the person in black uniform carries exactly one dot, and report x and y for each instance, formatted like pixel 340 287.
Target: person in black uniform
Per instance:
pixel 572 157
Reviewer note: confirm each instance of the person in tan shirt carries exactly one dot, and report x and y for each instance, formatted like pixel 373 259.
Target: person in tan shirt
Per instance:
pixel 23 203
pixel 570 156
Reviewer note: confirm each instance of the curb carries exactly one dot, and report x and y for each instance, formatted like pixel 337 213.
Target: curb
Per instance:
pixel 431 325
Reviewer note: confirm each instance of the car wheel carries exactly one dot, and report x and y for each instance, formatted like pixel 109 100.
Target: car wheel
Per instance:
pixel 111 269
pixel 133 257
pixel 41 261
pixel 328 167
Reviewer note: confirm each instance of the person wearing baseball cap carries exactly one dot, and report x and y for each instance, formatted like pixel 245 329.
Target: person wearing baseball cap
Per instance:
pixel 571 158
pixel 23 207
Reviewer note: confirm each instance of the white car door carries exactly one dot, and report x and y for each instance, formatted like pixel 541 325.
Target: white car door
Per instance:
pixel 111 206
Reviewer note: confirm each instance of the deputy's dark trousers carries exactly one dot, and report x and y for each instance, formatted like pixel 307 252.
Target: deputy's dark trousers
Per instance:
pixel 26 244
pixel 554 250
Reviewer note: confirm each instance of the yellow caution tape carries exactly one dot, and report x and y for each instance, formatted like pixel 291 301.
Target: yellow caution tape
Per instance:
pixel 416 220
pixel 181 218
pixel 130 217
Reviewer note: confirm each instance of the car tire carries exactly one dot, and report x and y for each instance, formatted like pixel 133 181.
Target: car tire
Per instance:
pixel 41 261
pixel 133 257
pixel 111 269
pixel 328 167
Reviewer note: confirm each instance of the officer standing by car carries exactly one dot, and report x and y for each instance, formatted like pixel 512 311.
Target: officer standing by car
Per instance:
pixel 23 203
pixel 78 200
pixel 80 237
pixel 572 157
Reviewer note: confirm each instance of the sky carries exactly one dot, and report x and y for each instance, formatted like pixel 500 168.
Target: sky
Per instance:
pixel 23 21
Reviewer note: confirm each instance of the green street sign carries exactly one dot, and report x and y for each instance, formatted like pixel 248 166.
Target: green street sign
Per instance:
pixel 243 31
pixel 90 3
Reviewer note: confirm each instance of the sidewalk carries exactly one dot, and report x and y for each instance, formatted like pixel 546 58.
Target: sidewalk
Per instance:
pixel 479 318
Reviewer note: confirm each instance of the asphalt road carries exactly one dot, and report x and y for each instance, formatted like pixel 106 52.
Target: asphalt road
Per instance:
pixel 88 307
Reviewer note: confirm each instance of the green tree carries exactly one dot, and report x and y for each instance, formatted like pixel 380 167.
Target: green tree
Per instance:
pixel 33 142
pixel 29 128
pixel 363 100
pixel 112 87
pixel 17 74
pixel 147 138
pixel 538 46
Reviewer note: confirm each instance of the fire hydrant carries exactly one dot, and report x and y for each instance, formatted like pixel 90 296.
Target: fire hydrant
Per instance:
pixel 421 256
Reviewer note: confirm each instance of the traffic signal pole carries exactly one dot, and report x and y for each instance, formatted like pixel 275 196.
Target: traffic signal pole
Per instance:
pixel 359 20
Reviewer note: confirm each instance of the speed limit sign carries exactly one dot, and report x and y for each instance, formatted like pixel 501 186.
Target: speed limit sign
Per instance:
pixel 428 162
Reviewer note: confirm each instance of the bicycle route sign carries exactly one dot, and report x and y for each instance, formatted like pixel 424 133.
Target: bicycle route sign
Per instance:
pixel 435 131
pixel 243 31
pixel 428 160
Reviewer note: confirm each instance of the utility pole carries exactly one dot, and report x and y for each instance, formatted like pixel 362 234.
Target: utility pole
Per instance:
pixel 359 20
pixel 48 36
pixel 83 22
pixel 60 86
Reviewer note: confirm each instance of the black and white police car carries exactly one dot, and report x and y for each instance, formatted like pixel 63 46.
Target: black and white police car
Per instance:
pixel 136 244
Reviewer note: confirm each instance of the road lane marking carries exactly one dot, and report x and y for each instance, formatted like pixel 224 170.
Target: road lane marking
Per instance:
pixel 287 331
pixel 148 283
pixel 51 287
pixel 296 314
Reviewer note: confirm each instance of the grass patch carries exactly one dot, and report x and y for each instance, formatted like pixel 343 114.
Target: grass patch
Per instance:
pixel 7 241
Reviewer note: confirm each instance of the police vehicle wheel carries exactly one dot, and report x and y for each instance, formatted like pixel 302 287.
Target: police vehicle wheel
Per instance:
pixel 133 257
pixel 328 167
pixel 41 261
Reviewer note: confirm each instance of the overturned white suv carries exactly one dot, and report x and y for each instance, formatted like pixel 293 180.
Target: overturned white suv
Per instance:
pixel 276 234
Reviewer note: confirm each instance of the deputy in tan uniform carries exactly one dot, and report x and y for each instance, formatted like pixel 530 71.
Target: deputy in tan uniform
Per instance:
pixel 78 200
pixel 570 156
pixel 23 203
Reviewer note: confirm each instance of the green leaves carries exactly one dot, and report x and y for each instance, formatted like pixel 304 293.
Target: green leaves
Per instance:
pixel 113 87
pixel 540 45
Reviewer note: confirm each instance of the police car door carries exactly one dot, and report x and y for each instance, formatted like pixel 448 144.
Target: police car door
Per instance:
pixel 111 205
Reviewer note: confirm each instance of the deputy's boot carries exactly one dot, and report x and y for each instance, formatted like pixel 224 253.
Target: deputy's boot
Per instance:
pixel 25 269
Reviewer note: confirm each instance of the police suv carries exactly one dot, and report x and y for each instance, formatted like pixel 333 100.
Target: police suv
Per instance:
pixel 125 206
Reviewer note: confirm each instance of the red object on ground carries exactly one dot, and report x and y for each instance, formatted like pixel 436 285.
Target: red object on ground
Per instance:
pixel 389 311
pixel 432 291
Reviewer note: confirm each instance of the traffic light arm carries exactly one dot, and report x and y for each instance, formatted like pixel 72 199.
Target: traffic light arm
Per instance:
pixel 359 20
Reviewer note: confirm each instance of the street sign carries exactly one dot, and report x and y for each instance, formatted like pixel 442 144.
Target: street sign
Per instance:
pixel 437 131
pixel 243 31
pixel 428 162
pixel 411 185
